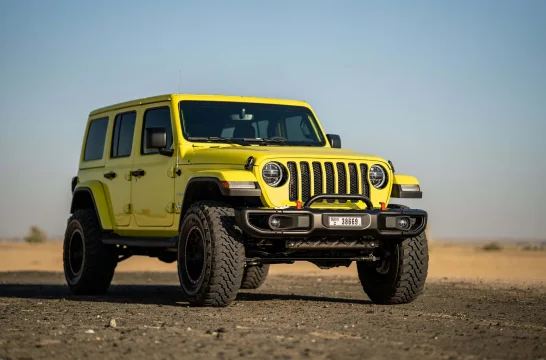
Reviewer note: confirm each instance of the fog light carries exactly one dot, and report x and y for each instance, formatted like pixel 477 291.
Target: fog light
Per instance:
pixel 275 222
pixel 403 222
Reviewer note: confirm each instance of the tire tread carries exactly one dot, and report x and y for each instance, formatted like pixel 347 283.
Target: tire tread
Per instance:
pixel 100 262
pixel 254 276
pixel 407 283
pixel 226 253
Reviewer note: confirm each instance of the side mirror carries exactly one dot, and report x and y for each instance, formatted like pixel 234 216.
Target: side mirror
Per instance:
pixel 334 140
pixel 156 138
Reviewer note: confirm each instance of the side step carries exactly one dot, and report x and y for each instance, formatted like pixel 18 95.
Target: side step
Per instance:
pixel 142 241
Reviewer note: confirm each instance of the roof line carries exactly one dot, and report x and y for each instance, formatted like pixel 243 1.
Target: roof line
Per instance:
pixel 167 97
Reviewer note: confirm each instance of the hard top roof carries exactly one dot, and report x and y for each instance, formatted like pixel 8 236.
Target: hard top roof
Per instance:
pixel 209 97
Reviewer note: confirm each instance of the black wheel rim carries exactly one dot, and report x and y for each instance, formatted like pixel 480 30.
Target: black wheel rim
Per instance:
pixel 76 251
pixel 387 256
pixel 194 252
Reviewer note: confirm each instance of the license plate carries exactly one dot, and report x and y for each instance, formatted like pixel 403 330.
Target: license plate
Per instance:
pixel 345 221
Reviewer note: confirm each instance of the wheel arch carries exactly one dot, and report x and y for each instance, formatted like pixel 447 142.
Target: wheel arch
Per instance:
pixel 92 195
pixel 210 188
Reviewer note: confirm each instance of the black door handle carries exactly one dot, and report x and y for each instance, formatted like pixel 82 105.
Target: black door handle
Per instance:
pixel 110 175
pixel 138 172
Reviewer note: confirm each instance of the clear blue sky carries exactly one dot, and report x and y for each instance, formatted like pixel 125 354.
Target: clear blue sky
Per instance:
pixel 453 92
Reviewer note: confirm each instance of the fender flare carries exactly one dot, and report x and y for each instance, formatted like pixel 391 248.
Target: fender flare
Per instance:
pixel 217 182
pixel 95 190
pixel 406 186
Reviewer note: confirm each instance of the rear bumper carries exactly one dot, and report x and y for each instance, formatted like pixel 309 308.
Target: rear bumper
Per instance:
pixel 310 222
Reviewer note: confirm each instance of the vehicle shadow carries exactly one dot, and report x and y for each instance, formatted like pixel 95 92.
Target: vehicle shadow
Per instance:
pixel 166 295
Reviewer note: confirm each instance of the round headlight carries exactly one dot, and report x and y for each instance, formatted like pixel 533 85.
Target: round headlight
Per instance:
pixel 272 173
pixel 378 176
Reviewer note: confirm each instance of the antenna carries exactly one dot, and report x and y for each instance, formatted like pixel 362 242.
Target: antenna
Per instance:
pixel 180 82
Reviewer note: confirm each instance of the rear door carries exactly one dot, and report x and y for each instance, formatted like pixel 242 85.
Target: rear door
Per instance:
pixel 152 191
pixel 118 166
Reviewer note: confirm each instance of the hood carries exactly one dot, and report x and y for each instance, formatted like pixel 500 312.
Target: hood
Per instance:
pixel 237 155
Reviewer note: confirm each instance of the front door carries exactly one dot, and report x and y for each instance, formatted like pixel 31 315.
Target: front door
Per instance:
pixel 152 191
pixel 119 163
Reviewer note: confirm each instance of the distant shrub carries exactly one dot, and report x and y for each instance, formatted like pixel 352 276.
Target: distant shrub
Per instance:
pixel 36 235
pixel 492 246
pixel 533 247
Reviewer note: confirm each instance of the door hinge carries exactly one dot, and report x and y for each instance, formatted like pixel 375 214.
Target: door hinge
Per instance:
pixel 128 175
pixel 128 208
pixel 174 208
pixel 174 172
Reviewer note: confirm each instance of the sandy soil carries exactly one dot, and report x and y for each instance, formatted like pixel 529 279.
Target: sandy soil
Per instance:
pixel 452 260
pixel 290 317
pixel 476 305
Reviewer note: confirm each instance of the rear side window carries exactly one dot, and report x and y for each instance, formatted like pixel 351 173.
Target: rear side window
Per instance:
pixel 96 137
pixel 122 138
pixel 158 117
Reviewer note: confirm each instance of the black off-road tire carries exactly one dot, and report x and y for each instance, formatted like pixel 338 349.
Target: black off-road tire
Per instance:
pixel 401 278
pixel 254 276
pixel 209 231
pixel 88 264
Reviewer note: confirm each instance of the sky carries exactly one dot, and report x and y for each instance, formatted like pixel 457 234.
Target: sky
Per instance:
pixel 453 92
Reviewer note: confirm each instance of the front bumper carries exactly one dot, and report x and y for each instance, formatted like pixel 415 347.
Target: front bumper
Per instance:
pixel 310 222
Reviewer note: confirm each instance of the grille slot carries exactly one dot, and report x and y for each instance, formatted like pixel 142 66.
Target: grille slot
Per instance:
pixel 293 185
pixel 330 179
pixel 353 178
pixel 364 177
pixel 342 182
pixel 305 181
pixel 317 178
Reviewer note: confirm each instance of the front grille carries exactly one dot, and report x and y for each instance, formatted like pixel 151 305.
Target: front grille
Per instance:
pixel 326 178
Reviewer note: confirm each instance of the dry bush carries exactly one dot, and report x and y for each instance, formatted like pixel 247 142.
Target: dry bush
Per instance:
pixel 492 246
pixel 36 235
pixel 533 246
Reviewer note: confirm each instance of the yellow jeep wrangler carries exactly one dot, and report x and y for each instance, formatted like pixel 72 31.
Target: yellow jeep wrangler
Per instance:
pixel 226 186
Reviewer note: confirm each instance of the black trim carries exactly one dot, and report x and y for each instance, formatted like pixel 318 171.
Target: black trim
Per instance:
pixel 142 241
pixel 373 223
pixel 397 192
pixel 363 198
pixel 73 184
pixel 86 189
pixel 392 166
pixel 250 163
pixel 228 192
pixel 334 141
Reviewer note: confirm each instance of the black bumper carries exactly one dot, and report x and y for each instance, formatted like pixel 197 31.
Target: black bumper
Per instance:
pixel 309 222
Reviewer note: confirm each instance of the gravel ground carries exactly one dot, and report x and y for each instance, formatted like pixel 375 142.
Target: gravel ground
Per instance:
pixel 143 317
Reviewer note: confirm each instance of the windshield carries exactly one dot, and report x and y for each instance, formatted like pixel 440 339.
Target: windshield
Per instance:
pixel 268 124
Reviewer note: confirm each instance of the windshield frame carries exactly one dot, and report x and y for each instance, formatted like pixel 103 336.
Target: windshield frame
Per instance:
pixel 321 141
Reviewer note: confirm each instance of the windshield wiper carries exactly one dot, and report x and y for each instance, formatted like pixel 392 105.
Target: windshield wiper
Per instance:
pixel 220 139
pixel 265 140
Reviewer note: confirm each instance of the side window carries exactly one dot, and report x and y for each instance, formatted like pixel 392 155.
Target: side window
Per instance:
pixel 261 128
pixel 96 137
pixel 298 128
pixel 122 138
pixel 228 132
pixel 293 130
pixel 158 117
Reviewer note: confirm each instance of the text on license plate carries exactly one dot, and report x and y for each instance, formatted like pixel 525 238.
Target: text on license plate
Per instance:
pixel 345 221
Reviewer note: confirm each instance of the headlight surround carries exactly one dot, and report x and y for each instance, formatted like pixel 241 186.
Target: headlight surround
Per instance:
pixel 273 174
pixel 378 176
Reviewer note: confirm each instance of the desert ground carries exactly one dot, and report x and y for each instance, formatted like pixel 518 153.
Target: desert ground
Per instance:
pixel 477 304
